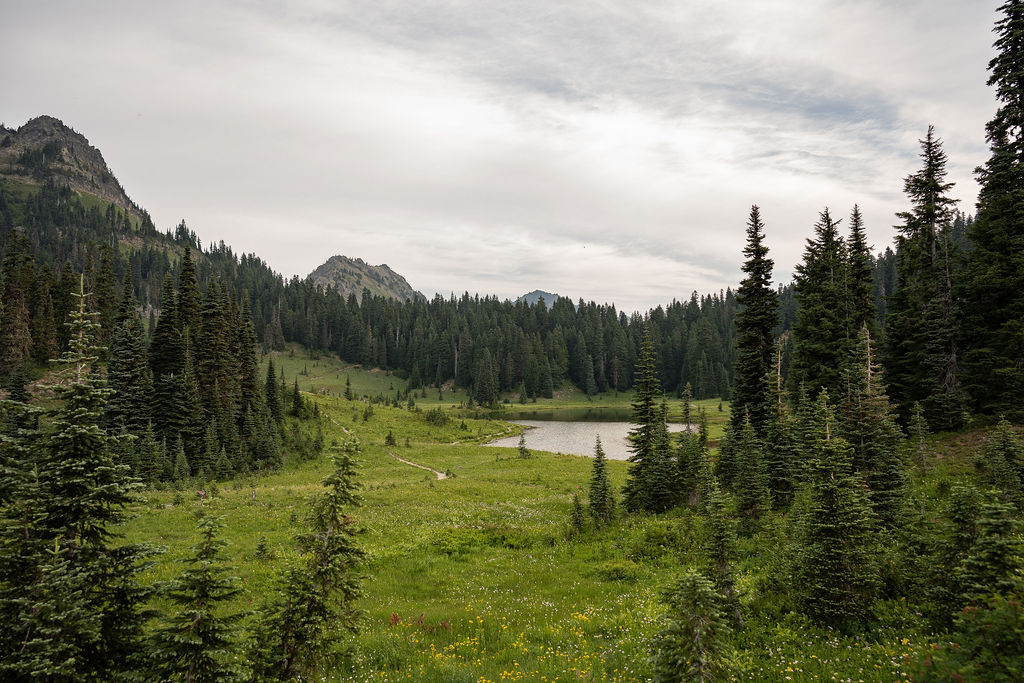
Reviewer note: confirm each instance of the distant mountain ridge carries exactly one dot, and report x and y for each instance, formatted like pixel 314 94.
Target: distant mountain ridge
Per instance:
pixel 538 294
pixel 45 149
pixel 352 276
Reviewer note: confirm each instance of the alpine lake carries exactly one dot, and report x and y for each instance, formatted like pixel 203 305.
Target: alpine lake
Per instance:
pixel 574 431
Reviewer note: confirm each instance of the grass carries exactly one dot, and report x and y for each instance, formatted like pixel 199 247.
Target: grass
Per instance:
pixel 476 578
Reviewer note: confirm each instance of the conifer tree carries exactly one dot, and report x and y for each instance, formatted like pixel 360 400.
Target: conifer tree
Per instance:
pixel 190 302
pixel 182 471
pixel 128 372
pixel 779 447
pixel 835 574
pixel 249 390
pixel 993 287
pixel 869 425
pixel 820 343
pixel 661 486
pixel 602 498
pixel 720 549
pixel 150 457
pixel 860 280
pixel 302 629
pixel 994 563
pixel 922 352
pixel 643 435
pixel 271 394
pixel 189 420
pixel 15 312
pixel 1000 463
pixel 198 642
pixel 167 361
pixel 691 646
pixel 751 486
pixel 757 317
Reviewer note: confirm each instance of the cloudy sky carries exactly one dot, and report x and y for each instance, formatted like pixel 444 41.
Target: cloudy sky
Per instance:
pixel 607 149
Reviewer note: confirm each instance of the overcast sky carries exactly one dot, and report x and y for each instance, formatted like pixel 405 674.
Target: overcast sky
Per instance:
pixel 608 149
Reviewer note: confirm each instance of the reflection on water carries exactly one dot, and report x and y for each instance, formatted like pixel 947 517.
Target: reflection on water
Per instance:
pixel 575 437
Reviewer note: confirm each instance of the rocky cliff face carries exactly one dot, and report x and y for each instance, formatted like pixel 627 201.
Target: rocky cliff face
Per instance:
pixel 44 149
pixel 350 276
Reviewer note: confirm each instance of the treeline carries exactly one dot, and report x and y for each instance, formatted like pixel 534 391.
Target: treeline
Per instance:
pixel 481 343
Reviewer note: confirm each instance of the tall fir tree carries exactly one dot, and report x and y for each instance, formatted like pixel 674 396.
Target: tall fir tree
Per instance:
pixel 993 280
pixel 303 628
pixel 835 571
pixel 922 353
pixel 860 308
pixel 757 317
pixel 691 646
pixel 602 498
pixel 779 447
pixel 643 435
pixel 868 423
pixel 720 550
pixel 199 642
pixel 128 371
pixel 820 343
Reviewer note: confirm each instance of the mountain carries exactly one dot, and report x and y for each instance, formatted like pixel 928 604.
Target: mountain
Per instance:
pixel 536 295
pixel 349 276
pixel 45 150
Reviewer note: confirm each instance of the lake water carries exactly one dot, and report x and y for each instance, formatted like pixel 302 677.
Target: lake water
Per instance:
pixel 575 437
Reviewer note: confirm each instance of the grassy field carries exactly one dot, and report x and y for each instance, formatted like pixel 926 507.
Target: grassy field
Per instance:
pixel 476 578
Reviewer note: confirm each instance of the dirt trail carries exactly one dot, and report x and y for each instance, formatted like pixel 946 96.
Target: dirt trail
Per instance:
pixel 440 475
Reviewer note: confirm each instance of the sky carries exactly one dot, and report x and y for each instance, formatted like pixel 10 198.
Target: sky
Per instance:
pixel 608 150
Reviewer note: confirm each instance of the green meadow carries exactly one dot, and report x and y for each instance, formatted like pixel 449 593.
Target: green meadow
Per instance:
pixel 477 577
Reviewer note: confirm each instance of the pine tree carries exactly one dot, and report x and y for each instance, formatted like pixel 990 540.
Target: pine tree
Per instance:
pixel 182 471
pixel 249 395
pixel 577 518
pixel 643 435
pixel 994 563
pixel 302 629
pixel 820 344
pixel 720 549
pixel 779 447
pixel 190 303
pixel 602 498
pixel 922 353
pixel 993 282
pixel 661 486
pixel 199 643
pixel 835 574
pixel 860 281
pixel 757 317
pixel 167 361
pixel 1000 463
pixel 128 372
pixel 751 485
pixel 692 644
pixel 869 425
pixel 15 313
pixel 271 394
